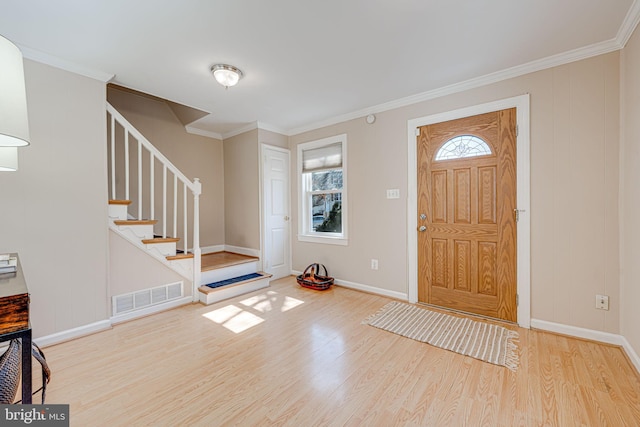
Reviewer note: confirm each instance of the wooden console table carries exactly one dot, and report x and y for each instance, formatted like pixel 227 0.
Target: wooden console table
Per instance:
pixel 14 321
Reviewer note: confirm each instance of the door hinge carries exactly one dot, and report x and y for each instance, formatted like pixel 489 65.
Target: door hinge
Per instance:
pixel 417 131
pixel 516 214
pixel 517 300
pixel 517 130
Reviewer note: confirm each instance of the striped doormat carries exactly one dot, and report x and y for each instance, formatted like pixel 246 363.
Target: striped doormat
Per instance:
pixel 490 343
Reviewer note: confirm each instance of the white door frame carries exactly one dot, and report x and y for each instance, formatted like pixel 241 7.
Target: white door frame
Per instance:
pixel 521 103
pixel 262 202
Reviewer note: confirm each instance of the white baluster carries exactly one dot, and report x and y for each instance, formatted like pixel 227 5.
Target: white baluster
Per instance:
pixel 113 157
pixel 164 201
pixel 139 180
pixel 152 193
pixel 185 233
pixel 126 165
pixel 175 205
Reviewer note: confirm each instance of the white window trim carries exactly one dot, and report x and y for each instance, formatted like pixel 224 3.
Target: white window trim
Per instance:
pixel 325 238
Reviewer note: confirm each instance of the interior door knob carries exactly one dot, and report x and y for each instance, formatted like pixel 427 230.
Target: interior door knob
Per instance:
pixel 286 218
pixel 422 228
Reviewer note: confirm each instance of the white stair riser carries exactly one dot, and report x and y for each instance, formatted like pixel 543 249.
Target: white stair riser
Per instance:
pixel 118 212
pixel 165 249
pixel 139 231
pixel 231 291
pixel 230 272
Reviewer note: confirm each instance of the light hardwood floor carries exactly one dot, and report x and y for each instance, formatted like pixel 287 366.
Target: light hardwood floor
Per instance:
pixel 295 357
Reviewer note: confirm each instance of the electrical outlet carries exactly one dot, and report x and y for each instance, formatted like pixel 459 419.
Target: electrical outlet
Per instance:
pixel 374 264
pixel 602 302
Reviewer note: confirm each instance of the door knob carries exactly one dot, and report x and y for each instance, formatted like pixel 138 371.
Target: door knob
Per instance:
pixel 422 228
pixel 286 218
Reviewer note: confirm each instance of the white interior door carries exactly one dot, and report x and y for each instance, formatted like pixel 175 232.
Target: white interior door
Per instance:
pixel 276 212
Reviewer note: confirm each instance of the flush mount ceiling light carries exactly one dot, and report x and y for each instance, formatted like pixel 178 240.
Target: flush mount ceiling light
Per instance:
pixel 14 125
pixel 226 75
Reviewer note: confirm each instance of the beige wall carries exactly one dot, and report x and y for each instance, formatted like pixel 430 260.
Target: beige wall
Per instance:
pixel 241 200
pixel 574 191
pixel 630 190
pixel 131 269
pixel 272 138
pixel 196 156
pixel 54 210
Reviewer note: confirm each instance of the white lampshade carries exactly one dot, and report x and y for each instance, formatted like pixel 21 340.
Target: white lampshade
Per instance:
pixel 14 124
pixel 226 75
pixel 8 159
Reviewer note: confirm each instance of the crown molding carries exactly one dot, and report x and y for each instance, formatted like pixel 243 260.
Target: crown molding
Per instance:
pixel 246 128
pixel 509 73
pixel 201 132
pixel 54 61
pixel 271 128
pixel 629 24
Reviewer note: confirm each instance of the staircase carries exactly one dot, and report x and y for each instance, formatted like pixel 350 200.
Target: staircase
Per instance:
pixel 137 192
pixel 140 233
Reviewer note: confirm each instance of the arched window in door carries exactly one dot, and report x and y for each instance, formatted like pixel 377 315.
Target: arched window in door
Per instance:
pixel 463 146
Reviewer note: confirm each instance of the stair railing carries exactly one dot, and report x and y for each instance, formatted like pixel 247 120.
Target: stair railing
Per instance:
pixel 145 191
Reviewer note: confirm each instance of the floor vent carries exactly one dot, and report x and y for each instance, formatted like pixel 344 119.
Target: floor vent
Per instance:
pixel 127 303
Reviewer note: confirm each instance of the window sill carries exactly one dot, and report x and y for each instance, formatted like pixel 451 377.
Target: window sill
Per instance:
pixel 323 240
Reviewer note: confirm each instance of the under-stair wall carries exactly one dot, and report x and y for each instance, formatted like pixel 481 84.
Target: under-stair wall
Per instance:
pixel 132 271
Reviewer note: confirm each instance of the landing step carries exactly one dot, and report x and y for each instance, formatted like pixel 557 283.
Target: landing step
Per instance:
pixel 229 288
pixel 216 260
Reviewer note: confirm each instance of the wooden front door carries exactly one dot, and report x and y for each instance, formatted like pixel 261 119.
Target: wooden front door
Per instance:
pixel 467 214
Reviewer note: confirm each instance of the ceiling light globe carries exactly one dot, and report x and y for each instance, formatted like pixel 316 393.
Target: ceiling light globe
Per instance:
pixel 226 75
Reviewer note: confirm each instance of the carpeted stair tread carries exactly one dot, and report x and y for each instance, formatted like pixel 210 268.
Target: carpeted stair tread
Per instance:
pixel 212 287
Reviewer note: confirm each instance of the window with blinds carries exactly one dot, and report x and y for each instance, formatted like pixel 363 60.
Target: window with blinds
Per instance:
pixel 321 166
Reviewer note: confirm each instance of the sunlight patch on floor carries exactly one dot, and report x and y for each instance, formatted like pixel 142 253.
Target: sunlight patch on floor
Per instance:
pixel 270 300
pixel 238 319
pixel 233 318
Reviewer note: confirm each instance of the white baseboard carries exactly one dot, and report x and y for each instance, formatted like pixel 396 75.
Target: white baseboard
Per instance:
pixel 365 288
pixel 631 353
pixel 209 249
pixel 590 334
pixel 151 310
pixel 242 251
pixel 103 325
pixel 578 332
pixel 70 334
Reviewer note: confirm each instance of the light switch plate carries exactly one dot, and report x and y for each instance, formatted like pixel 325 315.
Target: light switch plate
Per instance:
pixel 393 193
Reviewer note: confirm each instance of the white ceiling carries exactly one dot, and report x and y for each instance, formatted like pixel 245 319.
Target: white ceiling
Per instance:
pixel 310 63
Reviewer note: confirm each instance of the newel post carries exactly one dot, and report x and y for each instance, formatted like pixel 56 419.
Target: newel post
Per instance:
pixel 197 190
